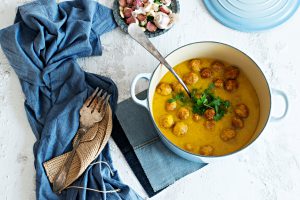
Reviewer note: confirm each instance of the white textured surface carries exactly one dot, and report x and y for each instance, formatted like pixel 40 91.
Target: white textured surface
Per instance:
pixel 268 170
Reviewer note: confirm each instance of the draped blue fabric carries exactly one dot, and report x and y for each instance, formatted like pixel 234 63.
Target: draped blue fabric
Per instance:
pixel 42 46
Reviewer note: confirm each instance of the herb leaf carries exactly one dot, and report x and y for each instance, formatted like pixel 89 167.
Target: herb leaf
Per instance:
pixel 179 97
pixel 200 102
pixel 150 18
pixel 208 100
pixel 171 100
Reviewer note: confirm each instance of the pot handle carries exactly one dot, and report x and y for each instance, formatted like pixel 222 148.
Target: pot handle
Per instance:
pixel 285 98
pixel 143 102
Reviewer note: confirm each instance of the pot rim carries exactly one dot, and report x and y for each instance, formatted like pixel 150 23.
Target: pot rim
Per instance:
pixel 202 156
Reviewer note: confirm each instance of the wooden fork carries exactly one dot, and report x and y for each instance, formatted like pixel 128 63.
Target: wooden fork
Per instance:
pixel 92 111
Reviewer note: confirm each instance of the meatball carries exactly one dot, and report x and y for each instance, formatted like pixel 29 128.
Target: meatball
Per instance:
pixel 237 122
pixel 231 85
pixel 196 117
pixel 190 78
pixel 195 65
pixel 228 134
pixel 209 124
pixel 164 89
pixel 167 121
pixel 206 73
pixel 219 83
pixel 170 106
pixel 189 147
pixel 217 66
pixel 209 114
pixel 241 110
pixel 183 113
pixel 177 87
pixel 206 150
pixel 231 72
pixel 180 129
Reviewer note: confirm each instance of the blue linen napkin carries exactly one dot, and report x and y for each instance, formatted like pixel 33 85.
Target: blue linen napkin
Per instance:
pixel 42 46
pixel 145 153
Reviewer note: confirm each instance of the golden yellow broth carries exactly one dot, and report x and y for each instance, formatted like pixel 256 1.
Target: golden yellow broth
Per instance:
pixel 197 134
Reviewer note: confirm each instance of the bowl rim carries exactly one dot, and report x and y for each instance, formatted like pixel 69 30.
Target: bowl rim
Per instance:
pixel 218 156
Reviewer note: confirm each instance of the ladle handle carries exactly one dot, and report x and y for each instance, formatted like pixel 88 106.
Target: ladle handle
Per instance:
pixel 138 35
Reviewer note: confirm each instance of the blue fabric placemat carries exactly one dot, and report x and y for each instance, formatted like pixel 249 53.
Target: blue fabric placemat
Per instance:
pixel 148 157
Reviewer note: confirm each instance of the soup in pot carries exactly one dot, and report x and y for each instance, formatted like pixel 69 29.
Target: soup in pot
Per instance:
pixel 220 118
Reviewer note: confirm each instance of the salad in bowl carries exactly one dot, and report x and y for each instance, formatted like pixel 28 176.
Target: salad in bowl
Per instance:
pixel 153 16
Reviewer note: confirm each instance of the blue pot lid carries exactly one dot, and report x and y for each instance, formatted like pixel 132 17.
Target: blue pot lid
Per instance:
pixel 251 15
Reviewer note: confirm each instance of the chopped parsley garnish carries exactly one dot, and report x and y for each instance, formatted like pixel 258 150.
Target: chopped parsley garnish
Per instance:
pixel 179 97
pixel 207 100
pixel 201 101
pixel 150 18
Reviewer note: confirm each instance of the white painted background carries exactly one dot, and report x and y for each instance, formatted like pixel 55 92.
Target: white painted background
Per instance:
pixel 268 170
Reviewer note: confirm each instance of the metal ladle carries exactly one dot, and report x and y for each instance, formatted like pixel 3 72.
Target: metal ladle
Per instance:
pixel 138 35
